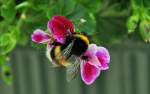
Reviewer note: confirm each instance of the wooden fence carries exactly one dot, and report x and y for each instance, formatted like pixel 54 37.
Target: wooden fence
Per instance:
pixel 128 74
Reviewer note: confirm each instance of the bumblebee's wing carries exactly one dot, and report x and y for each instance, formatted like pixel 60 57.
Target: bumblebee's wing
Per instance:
pixel 67 51
pixel 73 69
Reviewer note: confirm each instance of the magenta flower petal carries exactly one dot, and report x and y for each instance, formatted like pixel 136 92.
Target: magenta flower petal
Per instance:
pixel 91 54
pixel 58 30
pixel 40 36
pixel 103 57
pixel 92 49
pixel 94 61
pixel 89 72
pixel 59 26
pixel 67 23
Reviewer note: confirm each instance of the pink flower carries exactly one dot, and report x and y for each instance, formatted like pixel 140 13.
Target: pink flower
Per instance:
pixel 60 26
pixel 39 36
pixel 93 61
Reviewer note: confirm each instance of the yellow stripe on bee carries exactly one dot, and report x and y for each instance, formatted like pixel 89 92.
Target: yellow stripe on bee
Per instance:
pixel 83 37
pixel 60 59
pixel 57 50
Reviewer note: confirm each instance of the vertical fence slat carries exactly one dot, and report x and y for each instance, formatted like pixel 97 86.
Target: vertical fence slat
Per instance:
pixel 74 86
pixel 34 73
pixel 92 89
pixel 142 71
pixel 113 77
pixel 53 81
pixel 126 75
pixel 22 86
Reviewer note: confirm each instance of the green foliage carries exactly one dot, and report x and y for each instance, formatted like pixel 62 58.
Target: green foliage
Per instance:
pixel 145 30
pixel 7 10
pixel 6 72
pixel 7 43
pixel 110 23
pixel 141 18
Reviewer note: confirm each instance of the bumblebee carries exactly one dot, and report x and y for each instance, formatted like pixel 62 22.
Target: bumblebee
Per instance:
pixel 65 54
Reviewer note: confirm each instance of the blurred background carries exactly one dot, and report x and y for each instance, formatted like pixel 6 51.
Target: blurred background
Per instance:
pixel 122 26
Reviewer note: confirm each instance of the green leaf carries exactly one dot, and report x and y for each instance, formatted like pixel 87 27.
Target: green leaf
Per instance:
pixel 56 8
pixel 7 75
pixel 53 10
pixel 91 6
pixel 68 7
pixel 146 3
pixel 132 23
pixel 7 43
pixel 39 5
pixel 2 59
pixel 8 11
pixel 78 12
pixel 145 30
pixel 22 5
pixel 61 7
pixel 6 71
pixel 137 3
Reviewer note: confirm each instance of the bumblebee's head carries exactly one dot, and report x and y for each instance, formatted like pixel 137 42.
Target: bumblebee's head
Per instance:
pixel 82 37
